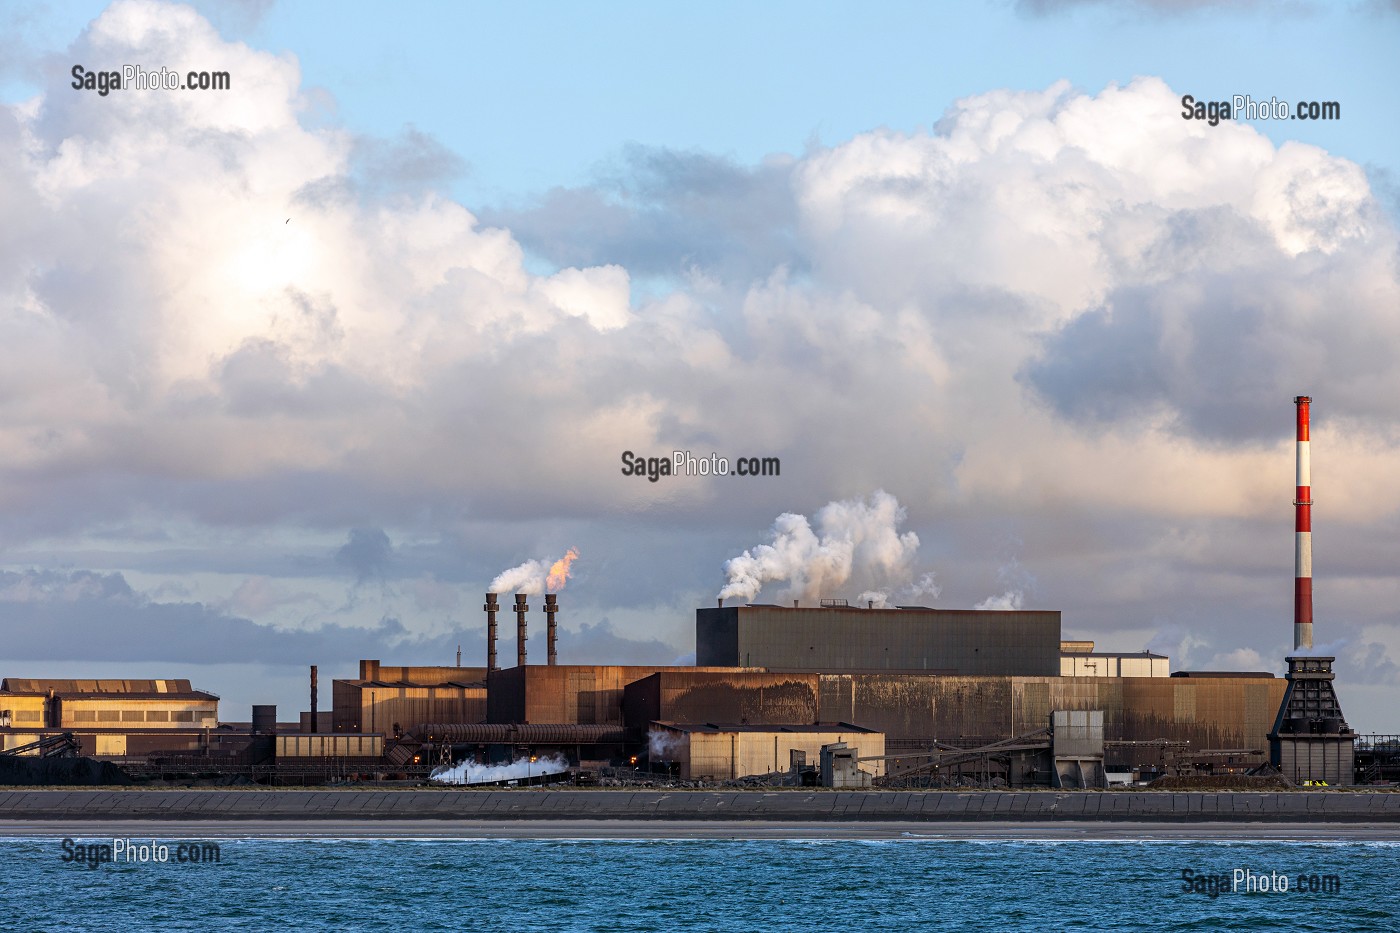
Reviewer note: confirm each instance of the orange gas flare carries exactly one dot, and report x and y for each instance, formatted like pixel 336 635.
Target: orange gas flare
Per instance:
pixel 559 571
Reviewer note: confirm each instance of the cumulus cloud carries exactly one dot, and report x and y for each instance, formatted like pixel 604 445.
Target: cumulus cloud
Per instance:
pixel 1067 314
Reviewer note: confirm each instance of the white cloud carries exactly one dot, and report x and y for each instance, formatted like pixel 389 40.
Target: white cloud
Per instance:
pixel 1071 315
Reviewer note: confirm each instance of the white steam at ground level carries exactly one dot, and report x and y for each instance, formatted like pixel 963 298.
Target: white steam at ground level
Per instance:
pixel 471 772
pixel 662 746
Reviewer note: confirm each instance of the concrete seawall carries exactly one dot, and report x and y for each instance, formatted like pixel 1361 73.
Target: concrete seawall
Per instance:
pixel 836 807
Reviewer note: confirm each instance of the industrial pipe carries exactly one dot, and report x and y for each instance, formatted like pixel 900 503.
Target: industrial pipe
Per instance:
pixel 313 728
pixel 1302 555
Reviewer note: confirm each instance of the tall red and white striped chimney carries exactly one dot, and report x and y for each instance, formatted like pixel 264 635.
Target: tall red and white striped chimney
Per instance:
pixel 1302 560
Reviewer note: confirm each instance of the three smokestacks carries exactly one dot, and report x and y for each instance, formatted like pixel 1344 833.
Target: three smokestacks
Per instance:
pixel 551 610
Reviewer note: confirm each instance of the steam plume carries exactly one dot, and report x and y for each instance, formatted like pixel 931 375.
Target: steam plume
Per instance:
pixel 533 577
pixel 470 772
pixel 851 536
pixel 1017 580
pixel 662 746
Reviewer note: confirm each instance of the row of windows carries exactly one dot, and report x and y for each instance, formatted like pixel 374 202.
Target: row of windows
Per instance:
pixel 136 715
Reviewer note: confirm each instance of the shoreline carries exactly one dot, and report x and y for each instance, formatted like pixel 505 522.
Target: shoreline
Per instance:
pixel 737 830
pixel 930 811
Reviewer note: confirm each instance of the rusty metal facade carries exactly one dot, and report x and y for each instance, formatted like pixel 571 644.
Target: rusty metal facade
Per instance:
pixel 386 707
pixel 850 639
pixel 567 693
pixel 1223 712
pixel 693 697
pixel 522 733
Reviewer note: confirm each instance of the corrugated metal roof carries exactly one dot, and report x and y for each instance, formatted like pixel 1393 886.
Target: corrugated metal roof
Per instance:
pixel 711 727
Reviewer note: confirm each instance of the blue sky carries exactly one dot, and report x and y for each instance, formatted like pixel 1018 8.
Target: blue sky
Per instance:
pixel 537 95
pixel 295 370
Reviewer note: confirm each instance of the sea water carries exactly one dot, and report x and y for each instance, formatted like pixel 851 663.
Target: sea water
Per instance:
pixel 691 884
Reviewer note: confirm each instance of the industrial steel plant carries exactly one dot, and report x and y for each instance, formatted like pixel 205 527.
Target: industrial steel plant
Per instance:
pixel 829 693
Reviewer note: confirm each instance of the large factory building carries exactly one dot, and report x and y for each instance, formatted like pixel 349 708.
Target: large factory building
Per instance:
pixel 113 718
pixel 390 700
pixel 838 637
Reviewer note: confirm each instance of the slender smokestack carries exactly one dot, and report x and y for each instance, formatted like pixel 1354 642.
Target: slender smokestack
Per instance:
pixel 551 606
pixel 1302 555
pixel 491 607
pixel 313 699
pixel 520 610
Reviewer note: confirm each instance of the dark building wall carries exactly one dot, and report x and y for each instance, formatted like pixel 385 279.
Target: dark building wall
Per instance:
pixel 912 709
pixel 967 642
pixel 717 637
pixel 566 693
pixel 690 697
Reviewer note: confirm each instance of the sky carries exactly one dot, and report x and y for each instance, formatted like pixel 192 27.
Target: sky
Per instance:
pixel 291 372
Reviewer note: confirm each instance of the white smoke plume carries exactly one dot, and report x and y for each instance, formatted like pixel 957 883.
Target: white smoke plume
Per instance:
pixel 851 536
pixel 535 576
pixel 925 587
pixel 662 746
pixel 471 772
pixel 1009 601
pixel 1017 580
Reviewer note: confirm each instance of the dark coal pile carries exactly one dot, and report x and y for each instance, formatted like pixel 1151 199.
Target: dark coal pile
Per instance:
pixel 78 772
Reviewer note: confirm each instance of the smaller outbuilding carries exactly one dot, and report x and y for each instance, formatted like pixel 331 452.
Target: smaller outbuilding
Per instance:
pixel 726 751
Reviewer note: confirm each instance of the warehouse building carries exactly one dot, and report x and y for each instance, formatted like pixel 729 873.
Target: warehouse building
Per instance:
pixel 1079 659
pixel 393 700
pixel 711 751
pixel 109 717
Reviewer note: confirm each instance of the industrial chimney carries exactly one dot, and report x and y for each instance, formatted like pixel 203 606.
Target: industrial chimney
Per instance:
pixel 520 610
pixel 551 606
pixel 491 607
pixel 313 700
pixel 1302 555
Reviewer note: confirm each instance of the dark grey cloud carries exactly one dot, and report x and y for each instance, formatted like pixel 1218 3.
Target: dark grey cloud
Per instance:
pixel 367 553
pixel 77 616
pixel 1229 327
pixel 84 616
pixel 662 211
